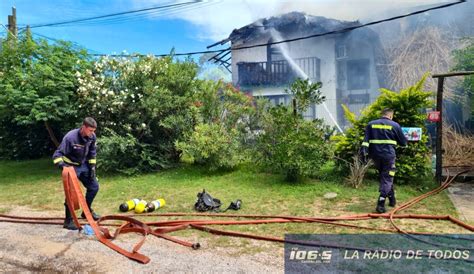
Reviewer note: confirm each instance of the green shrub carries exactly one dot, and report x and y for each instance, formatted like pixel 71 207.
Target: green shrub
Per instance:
pixel 289 144
pixel 221 126
pixel 126 154
pixel 409 105
pixel 212 145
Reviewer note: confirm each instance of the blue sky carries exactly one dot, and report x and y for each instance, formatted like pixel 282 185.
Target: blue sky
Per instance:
pixel 191 29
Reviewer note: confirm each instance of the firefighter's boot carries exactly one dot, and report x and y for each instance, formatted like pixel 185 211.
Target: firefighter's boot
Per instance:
pixel 95 216
pixel 391 198
pixel 68 221
pixel 380 205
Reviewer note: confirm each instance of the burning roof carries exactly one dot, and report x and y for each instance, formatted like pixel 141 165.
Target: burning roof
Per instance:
pixel 289 24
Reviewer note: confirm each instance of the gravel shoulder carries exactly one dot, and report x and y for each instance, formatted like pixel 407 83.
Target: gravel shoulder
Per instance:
pixel 47 248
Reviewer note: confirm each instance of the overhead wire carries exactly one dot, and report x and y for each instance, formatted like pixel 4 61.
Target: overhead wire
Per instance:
pixel 136 17
pixel 303 37
pixel 59 40
pixel 351 28
pixel 116 14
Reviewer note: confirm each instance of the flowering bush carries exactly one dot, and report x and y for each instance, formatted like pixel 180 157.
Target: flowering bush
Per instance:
pixel 147 100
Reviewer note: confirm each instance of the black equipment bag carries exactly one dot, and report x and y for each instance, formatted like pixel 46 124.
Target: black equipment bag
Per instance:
pixel 205 202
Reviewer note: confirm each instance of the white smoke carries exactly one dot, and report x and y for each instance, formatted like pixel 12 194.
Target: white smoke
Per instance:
pixel 216 19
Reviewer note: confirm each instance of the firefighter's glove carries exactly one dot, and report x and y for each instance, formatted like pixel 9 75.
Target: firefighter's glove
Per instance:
pixel 364 155
pixel 92 173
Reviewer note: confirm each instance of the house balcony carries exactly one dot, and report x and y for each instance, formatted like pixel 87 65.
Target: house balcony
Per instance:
pixel 276 73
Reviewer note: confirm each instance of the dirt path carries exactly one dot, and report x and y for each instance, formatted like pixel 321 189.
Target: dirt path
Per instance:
pixel 42 248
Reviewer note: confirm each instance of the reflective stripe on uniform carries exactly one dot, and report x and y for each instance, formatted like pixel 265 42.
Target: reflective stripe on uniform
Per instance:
pixel 391 173
pixel 388 142
pixel 389 127
pixel 92 161
pixel 58 160
pixel 365 144
pixel 67 160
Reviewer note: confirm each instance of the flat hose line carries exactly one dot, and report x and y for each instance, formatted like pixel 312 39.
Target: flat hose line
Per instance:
pixel 75 200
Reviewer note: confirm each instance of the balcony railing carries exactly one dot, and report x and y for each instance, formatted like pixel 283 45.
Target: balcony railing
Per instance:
pixel 277 72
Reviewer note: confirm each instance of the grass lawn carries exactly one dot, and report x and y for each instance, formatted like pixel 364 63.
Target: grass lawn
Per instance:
pixel 37 185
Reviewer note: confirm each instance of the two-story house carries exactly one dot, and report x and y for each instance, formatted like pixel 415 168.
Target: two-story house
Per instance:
pixel 344 62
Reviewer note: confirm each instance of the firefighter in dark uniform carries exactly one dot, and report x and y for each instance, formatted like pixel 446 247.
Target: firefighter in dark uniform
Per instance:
pixel 381 138
pixel 78 149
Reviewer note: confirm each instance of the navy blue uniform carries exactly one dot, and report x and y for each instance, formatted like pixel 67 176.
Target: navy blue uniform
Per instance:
pixel 381 138
pixel 79 152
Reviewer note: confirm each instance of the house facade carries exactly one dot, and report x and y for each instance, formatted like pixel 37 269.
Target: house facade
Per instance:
pixel 345 63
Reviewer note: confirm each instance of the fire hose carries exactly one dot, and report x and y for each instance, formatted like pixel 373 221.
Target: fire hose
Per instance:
pixel 75 200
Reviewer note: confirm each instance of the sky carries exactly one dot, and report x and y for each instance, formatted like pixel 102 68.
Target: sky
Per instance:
pixel 187 28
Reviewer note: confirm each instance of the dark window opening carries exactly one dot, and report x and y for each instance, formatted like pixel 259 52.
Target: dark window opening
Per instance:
pixel 340 51
pixel 358 74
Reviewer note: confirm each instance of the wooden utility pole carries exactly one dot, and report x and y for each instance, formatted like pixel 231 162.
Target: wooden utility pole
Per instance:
pixel 439 128
pixel 12 23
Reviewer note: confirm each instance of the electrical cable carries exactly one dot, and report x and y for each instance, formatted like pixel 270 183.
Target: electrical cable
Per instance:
pixel 353 27
pixel 115 14
pixel 136 17
pixel 304 37
pixel 257 45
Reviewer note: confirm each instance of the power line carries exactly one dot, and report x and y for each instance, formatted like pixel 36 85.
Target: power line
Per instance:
pixel 138 16
pixel 116 14
pixel 58 40
pixel 288 40
pixel 350 28
pixel 135 17
pixel 299 38
pixel 162 55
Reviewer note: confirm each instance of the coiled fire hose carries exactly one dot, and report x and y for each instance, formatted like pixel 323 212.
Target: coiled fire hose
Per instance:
pixel 75 200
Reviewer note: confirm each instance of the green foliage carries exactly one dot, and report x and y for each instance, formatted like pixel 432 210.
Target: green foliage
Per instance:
pixel 126 154
pixel 37 89
pixel 464 59
pixel 409 105
pixel 305 93
pixel 221 115
pixel 148 101
pixel 212 145
pixel 289 144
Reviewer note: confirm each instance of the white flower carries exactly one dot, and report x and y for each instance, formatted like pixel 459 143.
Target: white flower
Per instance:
pixel 78 74
pixel 111 92
pixel 143 125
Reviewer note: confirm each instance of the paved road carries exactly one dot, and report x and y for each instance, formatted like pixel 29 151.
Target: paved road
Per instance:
pixel 51 248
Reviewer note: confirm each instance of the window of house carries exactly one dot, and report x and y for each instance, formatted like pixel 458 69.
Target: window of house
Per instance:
pixel 340 51
pixel 358 76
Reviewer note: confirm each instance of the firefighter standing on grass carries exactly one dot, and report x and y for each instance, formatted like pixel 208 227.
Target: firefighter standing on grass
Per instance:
pixel 381 138
pixel 78 149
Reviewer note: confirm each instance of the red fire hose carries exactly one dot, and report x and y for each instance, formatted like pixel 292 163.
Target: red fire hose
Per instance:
pixel 75 200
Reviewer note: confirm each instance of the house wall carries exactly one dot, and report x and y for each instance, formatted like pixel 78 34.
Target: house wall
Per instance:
pixel 325 49
pixel 358 49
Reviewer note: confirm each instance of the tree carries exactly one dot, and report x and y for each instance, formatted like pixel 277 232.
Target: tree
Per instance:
pixel 289 144
pixel 37 87
pixel 464 59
